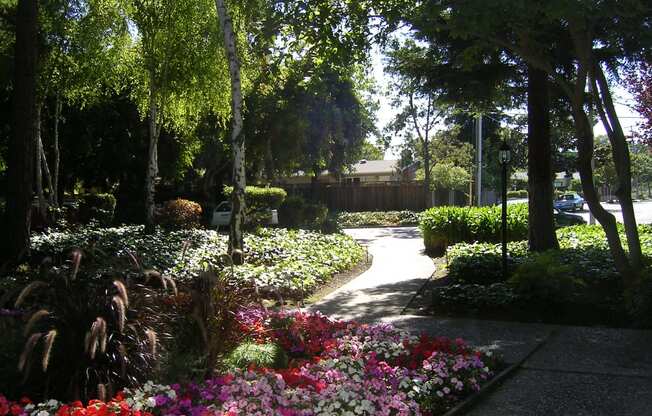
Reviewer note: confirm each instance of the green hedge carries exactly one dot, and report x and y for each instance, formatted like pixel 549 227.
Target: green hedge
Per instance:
pixel 445 226
pixel 377 218
pixel 522 193
pixel 259 198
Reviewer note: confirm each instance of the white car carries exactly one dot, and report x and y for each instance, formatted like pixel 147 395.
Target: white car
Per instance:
pixel 222 215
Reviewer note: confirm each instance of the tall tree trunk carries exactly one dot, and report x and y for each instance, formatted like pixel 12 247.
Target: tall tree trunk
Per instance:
pixel 57 154
pixel 426 176
pixel 152 160
pixel 38 172
pixel 48 176
pixel 589 69
pixel 585 145
pixel 622 163
pixel 541 230
pixel 20 171
pixel 269 160
pixel 236 240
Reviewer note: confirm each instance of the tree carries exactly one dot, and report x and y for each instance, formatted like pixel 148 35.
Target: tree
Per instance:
pixel 419 108
pixel 236 239
pixel 599 36
pixel 370 151
pixel 639 79
pixel 21 150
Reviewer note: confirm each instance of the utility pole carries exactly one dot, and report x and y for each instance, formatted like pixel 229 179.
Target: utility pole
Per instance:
pixel 478 149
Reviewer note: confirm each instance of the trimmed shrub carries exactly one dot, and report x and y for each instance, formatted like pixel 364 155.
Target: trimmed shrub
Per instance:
pixel 377 218
pixel 97 207
pixel 481 263
pixel 180 214
pixel 259 198
pixel 522 193
pixel 462 297
pixel 445 226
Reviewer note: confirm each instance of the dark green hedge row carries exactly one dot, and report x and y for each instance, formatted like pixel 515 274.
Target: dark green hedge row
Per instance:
pixel 445 226
pixel 259 198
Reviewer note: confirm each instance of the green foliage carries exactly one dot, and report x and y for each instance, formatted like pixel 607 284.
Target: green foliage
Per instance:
pixel 94 332
pixel 448 176
pixel 259 198
pixel 258 355
pixel 517 194
pixel 377 218
pixel 99 207
pixel 293 262
pixel 481 263
pixel 543 278
pixel 461 298
pixel 444 226
pixel 180 214
pixel 296 212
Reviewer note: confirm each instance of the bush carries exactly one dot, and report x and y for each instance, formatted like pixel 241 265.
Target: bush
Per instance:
pixel 377 218
pixel 267 355
pixel 98 207
pixel 296 212
pixel 481 263
pixel 259 198
pixel 180 214
pixel 522 193
pixel 445 226
pixel 484 297
pixel 543 278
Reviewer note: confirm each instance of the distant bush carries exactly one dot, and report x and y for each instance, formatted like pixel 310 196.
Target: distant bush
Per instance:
pixel 377 218
pixel 259 198
pixel 517 194
pixel 180 214
pixel 444 226
pixel 296 212
pixel 98 207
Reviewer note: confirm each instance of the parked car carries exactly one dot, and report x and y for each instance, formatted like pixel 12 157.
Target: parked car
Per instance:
pixel 569 202
pixel 222 215
pixel 564 219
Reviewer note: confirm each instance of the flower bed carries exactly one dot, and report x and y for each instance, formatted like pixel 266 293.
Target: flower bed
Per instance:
pixel 335 368
pixel 293 262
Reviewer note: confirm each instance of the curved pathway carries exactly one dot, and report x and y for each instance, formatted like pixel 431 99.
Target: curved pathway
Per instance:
pixel 398 271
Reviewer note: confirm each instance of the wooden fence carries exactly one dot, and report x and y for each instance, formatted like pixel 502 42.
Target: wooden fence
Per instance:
pixel 382 196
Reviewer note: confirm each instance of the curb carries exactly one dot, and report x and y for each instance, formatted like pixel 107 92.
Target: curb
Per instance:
pixel 503 376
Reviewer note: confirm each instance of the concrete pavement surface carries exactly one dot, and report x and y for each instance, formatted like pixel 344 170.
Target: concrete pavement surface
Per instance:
pixel 569 370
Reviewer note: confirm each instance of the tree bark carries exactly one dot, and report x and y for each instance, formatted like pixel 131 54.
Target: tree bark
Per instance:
pixel 236 240
pixel 20 172
pixel 57 154
pixel 152 160
pixel 541 223
pixel 622 163
pixel 38 172
pixel 48 176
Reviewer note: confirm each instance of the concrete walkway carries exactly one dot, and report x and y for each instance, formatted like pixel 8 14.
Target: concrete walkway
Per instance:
pixel 573 370
pixel 398 271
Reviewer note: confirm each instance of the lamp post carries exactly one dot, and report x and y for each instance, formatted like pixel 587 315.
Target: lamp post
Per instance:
pixel 504 156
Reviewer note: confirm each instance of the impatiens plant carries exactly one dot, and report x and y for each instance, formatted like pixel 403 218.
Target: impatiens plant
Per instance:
pixel 336 368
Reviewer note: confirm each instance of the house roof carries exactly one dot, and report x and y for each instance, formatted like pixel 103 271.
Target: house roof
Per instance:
pixel 374 167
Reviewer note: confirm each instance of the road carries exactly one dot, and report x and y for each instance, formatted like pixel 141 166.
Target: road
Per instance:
pixel 642 210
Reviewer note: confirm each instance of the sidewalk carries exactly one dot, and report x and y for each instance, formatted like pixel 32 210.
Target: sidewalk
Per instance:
pixel 576 371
